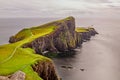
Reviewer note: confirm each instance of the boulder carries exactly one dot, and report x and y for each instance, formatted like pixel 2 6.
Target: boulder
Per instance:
pixel 19 75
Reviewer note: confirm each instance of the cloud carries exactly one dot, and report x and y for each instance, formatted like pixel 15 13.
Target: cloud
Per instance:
pixel 93 1
pixel 58 8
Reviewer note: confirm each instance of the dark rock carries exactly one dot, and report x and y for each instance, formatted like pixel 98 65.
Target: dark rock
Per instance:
pixel 66 67
pixel 70 67
pixel 60 78
pixel 82 69
pixel 92 31
pixel 85 36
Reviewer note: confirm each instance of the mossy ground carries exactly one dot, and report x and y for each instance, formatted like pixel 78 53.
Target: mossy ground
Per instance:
pixel 81 29
pixel 35 32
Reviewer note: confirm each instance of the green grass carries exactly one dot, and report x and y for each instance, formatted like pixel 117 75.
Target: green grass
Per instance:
pixel 31 75
pixel 35 32
pixel 81 29
pixel 42 30
pixel 25 33
pixel 14 58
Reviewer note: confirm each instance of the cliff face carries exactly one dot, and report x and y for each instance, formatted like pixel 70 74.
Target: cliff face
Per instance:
pixel 86 33
pixel 46 70
pixel 63 38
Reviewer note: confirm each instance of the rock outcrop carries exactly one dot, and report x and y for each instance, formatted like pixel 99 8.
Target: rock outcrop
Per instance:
pixel 63 38
pixel 86 33
pixel 19 75
pixel 46 70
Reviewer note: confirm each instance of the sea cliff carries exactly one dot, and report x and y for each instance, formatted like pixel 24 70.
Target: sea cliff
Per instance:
pixel 22 54
pixel 63 37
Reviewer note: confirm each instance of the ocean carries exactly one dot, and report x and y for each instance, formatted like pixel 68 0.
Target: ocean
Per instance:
pixel 99 57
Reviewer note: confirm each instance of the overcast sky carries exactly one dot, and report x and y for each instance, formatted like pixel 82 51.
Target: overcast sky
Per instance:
pixel 60 8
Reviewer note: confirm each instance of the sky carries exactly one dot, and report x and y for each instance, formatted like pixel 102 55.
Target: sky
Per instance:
pixel 60 8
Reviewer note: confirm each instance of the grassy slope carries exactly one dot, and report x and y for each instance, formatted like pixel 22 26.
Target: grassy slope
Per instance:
pixel 38 31
pixel 35 32
pixel 13 57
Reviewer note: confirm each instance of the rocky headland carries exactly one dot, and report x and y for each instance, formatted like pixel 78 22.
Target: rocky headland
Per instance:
pixel 64 37
pixel 22 54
